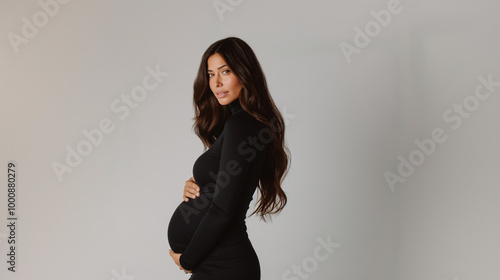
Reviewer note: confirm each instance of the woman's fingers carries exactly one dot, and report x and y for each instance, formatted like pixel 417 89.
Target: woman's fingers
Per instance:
pixel 191 190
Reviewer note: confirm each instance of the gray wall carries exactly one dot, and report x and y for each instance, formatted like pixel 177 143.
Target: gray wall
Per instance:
pixel 367 88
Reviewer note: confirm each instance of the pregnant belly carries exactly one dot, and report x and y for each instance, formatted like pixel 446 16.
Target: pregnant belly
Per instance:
pixel 186 219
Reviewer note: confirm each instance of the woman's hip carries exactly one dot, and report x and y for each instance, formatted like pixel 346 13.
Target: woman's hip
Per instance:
pixel 229 261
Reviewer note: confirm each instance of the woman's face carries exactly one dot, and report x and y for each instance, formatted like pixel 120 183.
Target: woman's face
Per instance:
pixel 222 81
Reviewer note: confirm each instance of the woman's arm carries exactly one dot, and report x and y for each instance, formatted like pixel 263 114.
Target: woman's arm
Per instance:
pixel 230 180
pixel 175 256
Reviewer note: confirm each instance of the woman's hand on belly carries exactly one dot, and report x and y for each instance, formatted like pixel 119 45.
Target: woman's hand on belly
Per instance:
pixel 191 190
pixel 176 258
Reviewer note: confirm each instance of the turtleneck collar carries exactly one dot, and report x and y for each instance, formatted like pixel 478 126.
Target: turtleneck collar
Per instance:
pixel 235 106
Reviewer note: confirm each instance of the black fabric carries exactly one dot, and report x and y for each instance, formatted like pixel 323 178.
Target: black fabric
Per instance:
pixel 210 231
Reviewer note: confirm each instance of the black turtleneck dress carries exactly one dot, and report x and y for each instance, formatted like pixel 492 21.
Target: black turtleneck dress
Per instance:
pixel 210 231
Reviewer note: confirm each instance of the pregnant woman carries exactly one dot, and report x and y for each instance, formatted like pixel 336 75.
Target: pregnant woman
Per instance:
pixel 237 120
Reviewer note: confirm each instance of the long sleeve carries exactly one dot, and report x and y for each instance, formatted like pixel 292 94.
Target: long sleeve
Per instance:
pixel 230 181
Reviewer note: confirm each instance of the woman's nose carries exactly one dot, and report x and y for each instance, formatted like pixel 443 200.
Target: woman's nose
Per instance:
pixel 218 81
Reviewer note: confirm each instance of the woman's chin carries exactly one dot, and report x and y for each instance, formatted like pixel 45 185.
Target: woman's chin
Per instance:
pixel 223 102
pixel 226 99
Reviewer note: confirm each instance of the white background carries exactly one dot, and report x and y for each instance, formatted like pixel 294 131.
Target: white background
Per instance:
pixel 347 124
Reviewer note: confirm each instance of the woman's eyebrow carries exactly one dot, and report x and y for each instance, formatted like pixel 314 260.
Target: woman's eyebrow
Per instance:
pixel 217 68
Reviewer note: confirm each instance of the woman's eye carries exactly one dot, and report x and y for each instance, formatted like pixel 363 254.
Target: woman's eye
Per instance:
pixel 210 75
pixel 225 71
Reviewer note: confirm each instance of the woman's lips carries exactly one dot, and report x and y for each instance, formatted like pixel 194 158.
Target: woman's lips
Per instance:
pixel 222 94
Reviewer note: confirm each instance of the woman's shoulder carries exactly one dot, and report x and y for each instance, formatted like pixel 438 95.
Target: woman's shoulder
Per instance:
pixel 244 122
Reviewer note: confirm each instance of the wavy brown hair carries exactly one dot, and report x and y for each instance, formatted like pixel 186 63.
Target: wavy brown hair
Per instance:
pixel 255 99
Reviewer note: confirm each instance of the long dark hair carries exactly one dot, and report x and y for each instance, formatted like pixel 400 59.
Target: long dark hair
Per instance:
pixel 255 99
